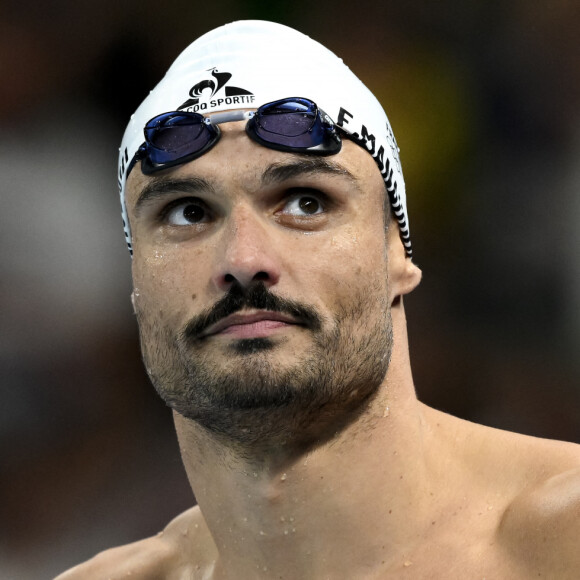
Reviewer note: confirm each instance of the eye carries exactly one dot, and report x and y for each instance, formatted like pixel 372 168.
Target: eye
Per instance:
pixel 303 205
pixel 186 212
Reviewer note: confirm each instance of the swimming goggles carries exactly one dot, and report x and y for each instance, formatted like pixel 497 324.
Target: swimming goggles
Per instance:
pixel 294 125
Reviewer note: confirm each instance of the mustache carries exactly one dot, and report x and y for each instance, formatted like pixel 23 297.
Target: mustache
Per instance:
pixel 255 296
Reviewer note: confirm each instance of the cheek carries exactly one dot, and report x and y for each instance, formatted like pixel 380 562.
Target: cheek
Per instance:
pixel 352 256
pixel 163 286
pixel 348 273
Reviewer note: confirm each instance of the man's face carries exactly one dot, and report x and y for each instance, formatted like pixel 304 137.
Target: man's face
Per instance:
pixel 260 286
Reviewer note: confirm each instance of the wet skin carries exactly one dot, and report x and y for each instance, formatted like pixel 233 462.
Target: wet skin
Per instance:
pixel 295 234
pixel 311 230
pixel 400 491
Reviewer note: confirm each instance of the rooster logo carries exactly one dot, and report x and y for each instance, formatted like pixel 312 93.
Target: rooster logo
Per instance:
pixel 209 87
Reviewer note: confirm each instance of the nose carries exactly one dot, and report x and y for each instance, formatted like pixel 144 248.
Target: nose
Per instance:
pixel 247 252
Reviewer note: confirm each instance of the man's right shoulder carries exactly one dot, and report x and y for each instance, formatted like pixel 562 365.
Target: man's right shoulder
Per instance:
pixel 184 549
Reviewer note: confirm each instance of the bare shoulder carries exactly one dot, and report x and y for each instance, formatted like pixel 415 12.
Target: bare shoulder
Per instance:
pixel 541 526
pixel 537 485
pixel 184 549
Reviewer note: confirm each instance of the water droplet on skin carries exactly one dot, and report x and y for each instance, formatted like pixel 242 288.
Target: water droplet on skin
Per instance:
pixel 282 519
pixel 386 412
pixel 136 292
pixel 285 532
pixel 291 519
pixel 407 563
pixel 262 533
pixel 489 507
pixel 283 478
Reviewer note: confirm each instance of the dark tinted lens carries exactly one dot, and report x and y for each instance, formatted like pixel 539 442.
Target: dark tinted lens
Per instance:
pixel 294 123
pixel 172 136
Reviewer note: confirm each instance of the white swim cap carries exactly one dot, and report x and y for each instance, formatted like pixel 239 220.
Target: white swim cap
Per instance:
pixel 250 63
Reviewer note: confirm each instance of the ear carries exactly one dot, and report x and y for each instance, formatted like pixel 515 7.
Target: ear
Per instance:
pixel 404 276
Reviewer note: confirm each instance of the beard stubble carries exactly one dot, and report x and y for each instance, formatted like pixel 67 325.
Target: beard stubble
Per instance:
pixel 245 397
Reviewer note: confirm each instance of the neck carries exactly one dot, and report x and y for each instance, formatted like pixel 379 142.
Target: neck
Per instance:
pixel 297 510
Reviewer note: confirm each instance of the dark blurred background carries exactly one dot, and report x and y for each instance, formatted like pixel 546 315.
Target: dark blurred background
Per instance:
pixel 484 100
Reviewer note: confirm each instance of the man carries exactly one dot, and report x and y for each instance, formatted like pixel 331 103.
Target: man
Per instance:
pixel 271 254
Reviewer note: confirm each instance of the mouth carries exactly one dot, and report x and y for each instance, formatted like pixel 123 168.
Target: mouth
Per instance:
pixel 250 325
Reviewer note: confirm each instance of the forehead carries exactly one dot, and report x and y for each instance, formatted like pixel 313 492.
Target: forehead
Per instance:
pixel 236 157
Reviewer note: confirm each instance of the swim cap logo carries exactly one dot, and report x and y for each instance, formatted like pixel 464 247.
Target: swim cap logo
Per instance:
pixel 203 92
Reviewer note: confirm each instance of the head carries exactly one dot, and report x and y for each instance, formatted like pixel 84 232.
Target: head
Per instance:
pixel 265 267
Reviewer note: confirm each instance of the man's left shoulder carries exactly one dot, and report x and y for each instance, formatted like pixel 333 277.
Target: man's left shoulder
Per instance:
pixel 542 523
pixel 184 549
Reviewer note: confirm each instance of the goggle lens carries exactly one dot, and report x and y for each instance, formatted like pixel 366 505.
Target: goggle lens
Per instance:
pixel 172 136
pixel 288 122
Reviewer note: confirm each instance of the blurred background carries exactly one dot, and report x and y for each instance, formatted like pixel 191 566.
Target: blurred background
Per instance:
pixel 484 101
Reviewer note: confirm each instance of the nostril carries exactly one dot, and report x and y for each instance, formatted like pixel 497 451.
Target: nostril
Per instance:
pixel 259 276
pixel 245 270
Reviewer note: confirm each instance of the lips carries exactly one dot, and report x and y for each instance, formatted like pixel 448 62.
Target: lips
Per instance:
pixel 250 325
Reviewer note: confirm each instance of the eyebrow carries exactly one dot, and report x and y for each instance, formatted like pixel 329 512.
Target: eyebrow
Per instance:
pixel 159 187
pixel 284 171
